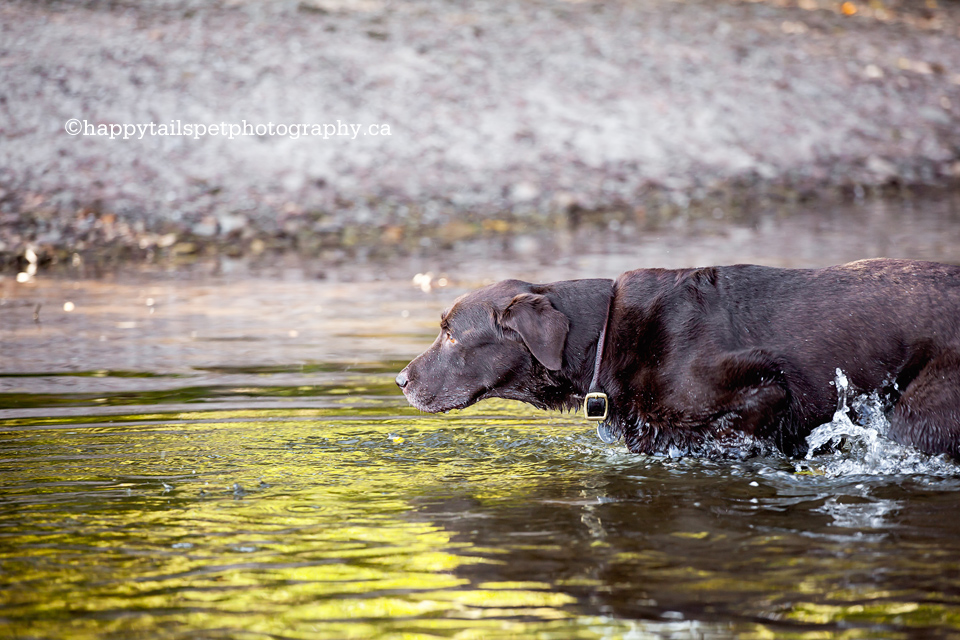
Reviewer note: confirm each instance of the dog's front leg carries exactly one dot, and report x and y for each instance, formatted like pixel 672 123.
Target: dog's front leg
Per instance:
pixel 743 393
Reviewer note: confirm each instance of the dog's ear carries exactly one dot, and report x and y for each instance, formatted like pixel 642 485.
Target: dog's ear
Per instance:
pixel 542 327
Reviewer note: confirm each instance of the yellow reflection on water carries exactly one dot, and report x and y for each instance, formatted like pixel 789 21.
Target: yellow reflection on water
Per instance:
pixel 265 524
pixel 380 522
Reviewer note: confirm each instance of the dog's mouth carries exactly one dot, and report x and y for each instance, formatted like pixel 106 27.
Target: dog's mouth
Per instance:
pixel 437 403
pixel 444 408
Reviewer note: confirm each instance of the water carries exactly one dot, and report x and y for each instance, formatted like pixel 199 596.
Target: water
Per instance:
pixel 500 523
pixel 228 457
pixel 855 442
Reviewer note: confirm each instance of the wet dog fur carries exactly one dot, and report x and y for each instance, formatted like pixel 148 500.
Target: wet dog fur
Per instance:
pixel 720 359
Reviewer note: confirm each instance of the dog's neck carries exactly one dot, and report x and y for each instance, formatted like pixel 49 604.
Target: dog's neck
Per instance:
pixel 585 303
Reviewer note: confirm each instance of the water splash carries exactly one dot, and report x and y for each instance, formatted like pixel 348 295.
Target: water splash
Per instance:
pixel 843 447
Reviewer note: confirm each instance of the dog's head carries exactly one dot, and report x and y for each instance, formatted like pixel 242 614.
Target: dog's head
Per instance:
pixel 506 340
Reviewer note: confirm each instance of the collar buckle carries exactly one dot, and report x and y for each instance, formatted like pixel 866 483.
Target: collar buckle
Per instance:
pixel 595 406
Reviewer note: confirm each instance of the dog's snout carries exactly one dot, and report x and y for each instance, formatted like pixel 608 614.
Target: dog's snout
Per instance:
pixel 402 379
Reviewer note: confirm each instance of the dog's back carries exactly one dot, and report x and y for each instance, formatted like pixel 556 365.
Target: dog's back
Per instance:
pixel 881 322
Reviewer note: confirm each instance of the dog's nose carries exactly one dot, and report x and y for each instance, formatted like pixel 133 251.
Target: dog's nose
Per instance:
pixel 402 379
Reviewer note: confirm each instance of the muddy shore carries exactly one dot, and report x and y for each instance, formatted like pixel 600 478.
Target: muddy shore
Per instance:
pixel 492 120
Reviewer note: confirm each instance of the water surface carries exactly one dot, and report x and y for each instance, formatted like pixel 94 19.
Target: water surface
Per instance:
pixel 228 457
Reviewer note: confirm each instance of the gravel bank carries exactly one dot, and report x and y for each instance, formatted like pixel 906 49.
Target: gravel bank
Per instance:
pixel 500 114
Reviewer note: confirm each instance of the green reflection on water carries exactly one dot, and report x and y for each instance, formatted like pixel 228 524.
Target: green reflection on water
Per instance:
pixel 366 519
pixel 358 385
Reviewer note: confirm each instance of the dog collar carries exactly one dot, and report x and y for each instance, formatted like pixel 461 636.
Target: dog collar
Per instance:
pixel 596 405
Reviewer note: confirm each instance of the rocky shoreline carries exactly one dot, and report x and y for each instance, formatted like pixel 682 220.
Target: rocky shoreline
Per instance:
pixel 501 118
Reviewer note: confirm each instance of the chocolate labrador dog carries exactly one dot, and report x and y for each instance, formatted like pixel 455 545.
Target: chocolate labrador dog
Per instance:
pixel 732 359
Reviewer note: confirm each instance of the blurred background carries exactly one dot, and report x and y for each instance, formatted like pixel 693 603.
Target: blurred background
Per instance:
pixel 791 131
pixel 432 147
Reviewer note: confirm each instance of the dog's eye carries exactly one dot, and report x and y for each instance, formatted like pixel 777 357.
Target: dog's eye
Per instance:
pixel 451 339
